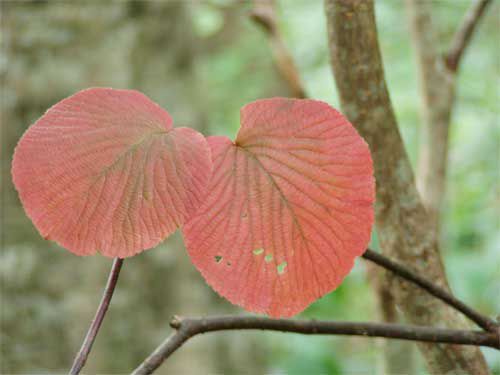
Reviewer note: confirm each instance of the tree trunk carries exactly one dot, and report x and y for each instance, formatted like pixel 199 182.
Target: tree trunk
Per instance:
pixel 402 222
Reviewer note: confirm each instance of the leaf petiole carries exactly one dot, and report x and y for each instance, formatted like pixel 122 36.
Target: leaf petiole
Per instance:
pixel 84 352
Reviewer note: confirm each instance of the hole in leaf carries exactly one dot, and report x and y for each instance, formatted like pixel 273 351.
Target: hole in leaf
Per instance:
pixel 321 136
pixel 281 268
pixel 258 251
pixel 217 258
pixel 228 263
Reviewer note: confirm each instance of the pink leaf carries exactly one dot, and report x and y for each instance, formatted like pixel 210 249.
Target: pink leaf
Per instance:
pixel 290 206
pixel 104 170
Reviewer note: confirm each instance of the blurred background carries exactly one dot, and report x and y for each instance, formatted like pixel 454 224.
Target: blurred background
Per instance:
pixel 202 61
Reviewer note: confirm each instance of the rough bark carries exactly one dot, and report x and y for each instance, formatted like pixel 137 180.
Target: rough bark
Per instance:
pixel 403 225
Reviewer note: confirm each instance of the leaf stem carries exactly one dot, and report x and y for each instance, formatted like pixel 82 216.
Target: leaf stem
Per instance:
pixel 84 352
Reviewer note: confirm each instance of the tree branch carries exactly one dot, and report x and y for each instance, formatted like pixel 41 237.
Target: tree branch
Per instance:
pixel 464 33
pixel 187 328
pixel 264 14
pixel 433 289
pixel 84 352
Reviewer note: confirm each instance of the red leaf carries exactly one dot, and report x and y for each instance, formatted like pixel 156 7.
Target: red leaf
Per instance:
pixel 289 207
pixel 104 170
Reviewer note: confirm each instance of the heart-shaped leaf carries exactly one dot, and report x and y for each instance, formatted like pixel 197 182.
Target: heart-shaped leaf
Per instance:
pixel 104 170
pixel 289 208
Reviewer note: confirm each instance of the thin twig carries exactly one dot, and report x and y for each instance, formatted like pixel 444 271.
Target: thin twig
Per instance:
pixel 189 327
pixel 83 354
pixel 264 14
pixel 438 292
pixel 186 328
pixel 464 33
